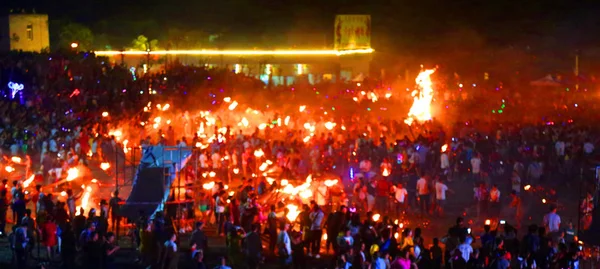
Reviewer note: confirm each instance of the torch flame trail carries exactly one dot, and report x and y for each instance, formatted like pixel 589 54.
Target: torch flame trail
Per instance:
pixel 421 108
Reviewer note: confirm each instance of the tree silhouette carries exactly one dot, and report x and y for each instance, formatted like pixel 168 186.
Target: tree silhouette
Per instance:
pixel 143 43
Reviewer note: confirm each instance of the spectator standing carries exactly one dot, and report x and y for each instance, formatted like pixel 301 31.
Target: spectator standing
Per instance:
pixel 253 247
pixel 284 244
pixel 552 221
pixel 423 192
pixel 316 230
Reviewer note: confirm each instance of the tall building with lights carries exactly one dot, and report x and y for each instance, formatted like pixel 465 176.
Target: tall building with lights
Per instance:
pixel 24 32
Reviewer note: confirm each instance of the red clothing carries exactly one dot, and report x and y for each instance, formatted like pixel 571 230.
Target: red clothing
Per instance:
pixel 383 188
pixel 49 234
pixel 84 143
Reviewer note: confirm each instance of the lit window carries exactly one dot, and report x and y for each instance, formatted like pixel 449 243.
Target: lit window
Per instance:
pixel 30 31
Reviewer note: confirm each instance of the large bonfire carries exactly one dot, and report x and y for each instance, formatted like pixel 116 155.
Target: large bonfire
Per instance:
pixel 423 96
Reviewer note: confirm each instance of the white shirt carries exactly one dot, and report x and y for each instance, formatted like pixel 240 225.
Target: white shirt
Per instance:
pixel 552 221
pixel 476 165
pixel 422 187
pixel 284 239
pixel 465 250
pixel 444 162
pixel 440 191
pixel 401 194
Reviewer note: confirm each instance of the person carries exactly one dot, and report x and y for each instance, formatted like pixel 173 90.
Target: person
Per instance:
pixel 110 250
pixel 440 195
pixel 147 244
pixel 481 198
pixel 79 222
pixel 220 212
pixel 49 230
pixel 253 247
pixel 515 207
pixel 169 259
pixel 3 211
pixel 71 203
pixel 37 198
pixel 400 194
pixel 199 259
pixel 92 251
pixel 113 208
pixel 423 192
pixel 21 243
pixel 436 254
pixel 465 248
pixel 503 262
pixel 19 207
pixel 234 250
pixel 272 229
pixel 298 258
pixel 68 246
pixel 284 246
pixel 552 220
pixel 316 230
pixel 223 264
pixel 402 261
pixel 199 240
pixel 476 166
pixel 495 201
pixel 381 261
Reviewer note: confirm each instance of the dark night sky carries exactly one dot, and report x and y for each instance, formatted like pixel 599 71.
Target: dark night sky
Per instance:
pixel 400 22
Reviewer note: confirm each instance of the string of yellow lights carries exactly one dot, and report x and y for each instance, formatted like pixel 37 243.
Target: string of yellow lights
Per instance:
pixel 237 52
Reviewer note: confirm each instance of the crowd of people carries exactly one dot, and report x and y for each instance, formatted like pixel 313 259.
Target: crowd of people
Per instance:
pixel 384 180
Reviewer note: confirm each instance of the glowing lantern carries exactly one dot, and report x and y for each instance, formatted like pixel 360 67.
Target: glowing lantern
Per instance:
pixel 15 159
pixel 330 182
pixel 105 114
pixel 329 125
pixel 444 147
pixel 376 217
pixel 105 166
pixel 72 173
pixel 258 153
pixel 209 185
pixel 9 169
pixel 233 105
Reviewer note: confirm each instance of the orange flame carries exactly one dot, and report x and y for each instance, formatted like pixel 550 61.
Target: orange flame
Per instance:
pixel 421 107
pixel 72 173
pixel 27 182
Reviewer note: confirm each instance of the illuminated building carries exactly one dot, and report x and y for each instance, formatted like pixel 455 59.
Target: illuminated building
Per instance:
pixel 350 57
pixel 24 32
